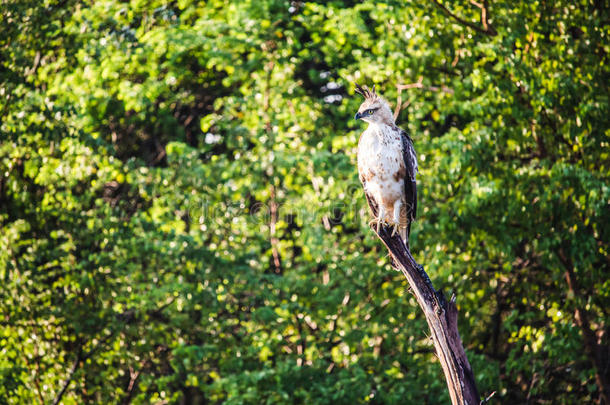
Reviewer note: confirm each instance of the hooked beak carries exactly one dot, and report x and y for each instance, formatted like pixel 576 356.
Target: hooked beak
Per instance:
pixel 358 116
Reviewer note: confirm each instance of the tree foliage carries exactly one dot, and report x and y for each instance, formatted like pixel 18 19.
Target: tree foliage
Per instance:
pixel 182 220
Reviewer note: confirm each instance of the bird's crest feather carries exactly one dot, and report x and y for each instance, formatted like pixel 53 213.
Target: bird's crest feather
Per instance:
pixel 368 94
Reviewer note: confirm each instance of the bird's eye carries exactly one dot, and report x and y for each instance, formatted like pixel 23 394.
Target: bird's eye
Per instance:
pixel 370 112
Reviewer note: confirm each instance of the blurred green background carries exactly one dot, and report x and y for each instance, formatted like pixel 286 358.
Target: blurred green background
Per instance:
pixel 182 222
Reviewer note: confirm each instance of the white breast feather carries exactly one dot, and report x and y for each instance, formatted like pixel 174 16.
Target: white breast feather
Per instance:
pixel 379 160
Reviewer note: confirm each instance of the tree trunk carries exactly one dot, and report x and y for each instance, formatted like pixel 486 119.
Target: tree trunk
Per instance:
pixel 442 320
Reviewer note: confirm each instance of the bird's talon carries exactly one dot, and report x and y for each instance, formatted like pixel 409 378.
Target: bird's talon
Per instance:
pixel 377 222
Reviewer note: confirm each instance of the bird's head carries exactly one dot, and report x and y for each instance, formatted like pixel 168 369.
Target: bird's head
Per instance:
pixel 374 109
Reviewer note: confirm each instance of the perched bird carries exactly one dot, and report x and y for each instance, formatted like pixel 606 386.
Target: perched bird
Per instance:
pixel 387 166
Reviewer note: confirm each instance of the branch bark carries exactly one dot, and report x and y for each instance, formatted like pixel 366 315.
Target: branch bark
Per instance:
pixel 487 27
pixel 441 316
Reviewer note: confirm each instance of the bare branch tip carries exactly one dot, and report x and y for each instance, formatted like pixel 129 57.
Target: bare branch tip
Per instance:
pixel 486 400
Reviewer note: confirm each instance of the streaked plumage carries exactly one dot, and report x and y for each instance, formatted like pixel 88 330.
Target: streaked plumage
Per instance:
pixel 387 165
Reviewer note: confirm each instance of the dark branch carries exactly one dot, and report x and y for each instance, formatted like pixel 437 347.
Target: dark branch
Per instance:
pixel 487 28
pixel 441 316
pixel 79 358
pixel 581 315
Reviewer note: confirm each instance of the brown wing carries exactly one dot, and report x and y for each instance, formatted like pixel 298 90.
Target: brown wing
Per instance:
pixel 410 159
